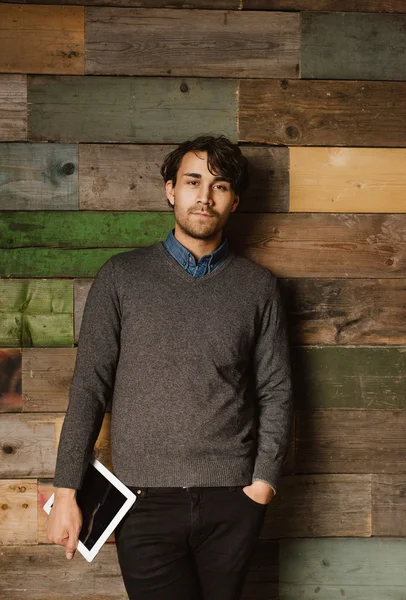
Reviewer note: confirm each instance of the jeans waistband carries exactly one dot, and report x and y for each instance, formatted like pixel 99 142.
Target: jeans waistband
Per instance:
pixel 143 491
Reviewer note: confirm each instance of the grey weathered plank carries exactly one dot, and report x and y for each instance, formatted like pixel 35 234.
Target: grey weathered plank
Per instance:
pixel 127 177
pixel 363 569
pixel 38 176
pixel 130 109
pixel 43 572
pixel 30 442
pixel 342 377
pixel 13 108
pixel 350 441
pixel 35 312
pixel 43 565
pixel 46 378
pixel 389 504
pixel 345 312
pixel 166 42
pixel 322 113
pixel 320 505
pixel 396 6
pixel 353 46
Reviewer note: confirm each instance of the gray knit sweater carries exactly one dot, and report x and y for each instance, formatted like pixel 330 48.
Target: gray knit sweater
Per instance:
pixel 198 371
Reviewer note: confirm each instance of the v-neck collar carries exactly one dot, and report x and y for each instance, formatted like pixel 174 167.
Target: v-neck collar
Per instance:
pixel 177 268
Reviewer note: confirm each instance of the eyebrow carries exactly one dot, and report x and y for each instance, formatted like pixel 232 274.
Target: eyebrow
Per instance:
pixel 198 176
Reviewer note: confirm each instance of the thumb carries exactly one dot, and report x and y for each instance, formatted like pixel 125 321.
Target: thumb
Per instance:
pixel 69 555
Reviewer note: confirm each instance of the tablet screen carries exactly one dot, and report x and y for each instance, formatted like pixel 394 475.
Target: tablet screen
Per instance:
pixel 99 500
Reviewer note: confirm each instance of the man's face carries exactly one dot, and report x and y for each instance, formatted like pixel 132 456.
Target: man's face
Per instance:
pixel 198 193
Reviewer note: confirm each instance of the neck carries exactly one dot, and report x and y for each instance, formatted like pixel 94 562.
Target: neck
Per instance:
pixel 198 247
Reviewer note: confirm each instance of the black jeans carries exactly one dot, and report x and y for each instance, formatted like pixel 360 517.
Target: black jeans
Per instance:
pixel 188 543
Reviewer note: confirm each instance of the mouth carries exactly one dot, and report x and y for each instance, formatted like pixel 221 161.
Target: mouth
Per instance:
pixel 202 214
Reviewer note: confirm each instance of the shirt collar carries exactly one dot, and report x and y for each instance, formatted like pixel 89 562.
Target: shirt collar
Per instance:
pixel 182 254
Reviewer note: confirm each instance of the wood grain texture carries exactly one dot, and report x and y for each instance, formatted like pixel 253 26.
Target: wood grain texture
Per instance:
pixel 29 444
pixel 130 109
pixel 353 46
pixel 230 4
pixel 395 6
pixel 166 42
pixel 350 180
pixel 38 176
pixel 43 570
pixel 77 229
pixel 43 565
pixel 54 262
pixel 10 380
pixel 349 377
pixel 18 512
pixel 46 378
pixel 320 505
pixel 35 39
pixel 126 177
pixel 36 312
pixel 345 312
pixel 322 113
pixel 72 243
pixel 350 441
pixel 389 505
pixel 13 108
pixel 322 245
pixel 358 568
pixel 325 377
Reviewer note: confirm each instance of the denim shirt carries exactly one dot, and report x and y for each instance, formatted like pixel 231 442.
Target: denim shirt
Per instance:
pixel 204 265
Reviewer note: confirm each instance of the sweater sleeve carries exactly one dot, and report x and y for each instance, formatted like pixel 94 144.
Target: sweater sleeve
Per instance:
pixel 272 375
pixel 93 379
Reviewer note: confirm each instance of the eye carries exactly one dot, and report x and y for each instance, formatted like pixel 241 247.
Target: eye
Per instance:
pixel 223 187
pixel 192 181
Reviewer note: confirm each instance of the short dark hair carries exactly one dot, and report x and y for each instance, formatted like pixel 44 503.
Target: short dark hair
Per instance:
pixel 223 158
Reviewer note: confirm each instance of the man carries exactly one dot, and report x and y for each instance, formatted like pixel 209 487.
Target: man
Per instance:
pixel 189 341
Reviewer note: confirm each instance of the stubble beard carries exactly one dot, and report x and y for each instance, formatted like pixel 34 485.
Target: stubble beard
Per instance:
pixel 199 231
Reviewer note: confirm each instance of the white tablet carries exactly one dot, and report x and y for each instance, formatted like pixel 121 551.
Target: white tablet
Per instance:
pixel 103 500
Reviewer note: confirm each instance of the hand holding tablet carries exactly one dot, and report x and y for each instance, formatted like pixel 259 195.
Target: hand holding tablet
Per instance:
pixel 103 501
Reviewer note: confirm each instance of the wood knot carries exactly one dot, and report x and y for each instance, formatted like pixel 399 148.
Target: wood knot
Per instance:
pixel 68 168
pixel 7 449
pixel 184 87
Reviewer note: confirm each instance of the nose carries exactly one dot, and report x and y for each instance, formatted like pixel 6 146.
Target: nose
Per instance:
pixel 204 196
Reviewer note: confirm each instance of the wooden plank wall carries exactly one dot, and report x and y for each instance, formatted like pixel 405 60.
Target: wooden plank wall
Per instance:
pixel 93 94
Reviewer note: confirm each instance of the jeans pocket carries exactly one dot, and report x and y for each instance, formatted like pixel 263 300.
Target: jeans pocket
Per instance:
pixel 250 500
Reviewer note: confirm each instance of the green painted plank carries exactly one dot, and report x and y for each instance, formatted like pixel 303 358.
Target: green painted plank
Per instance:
pixel 350 377
pixel 83 229
pixel 353 46
pixel 130 109
pixel 36 312
pixel 38 176
pixel 54 262
pixel 332 568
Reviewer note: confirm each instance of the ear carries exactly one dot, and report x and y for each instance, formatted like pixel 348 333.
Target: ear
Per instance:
pixel 235 203
pixel 170 191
